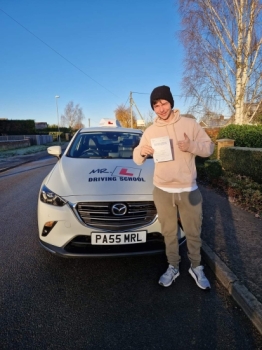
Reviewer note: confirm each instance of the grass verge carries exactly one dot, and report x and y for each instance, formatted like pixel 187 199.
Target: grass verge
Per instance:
pixel 26 150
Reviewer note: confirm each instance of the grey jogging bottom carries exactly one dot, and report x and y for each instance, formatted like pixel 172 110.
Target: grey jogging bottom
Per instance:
pixel 189 206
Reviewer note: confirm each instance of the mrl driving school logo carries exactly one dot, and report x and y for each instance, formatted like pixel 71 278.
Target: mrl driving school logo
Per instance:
pixel 119 174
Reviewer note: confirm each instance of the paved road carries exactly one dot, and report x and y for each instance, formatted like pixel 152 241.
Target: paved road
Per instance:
pixel 54 303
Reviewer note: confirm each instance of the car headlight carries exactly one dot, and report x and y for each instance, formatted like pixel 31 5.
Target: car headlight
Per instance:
pixel 49 197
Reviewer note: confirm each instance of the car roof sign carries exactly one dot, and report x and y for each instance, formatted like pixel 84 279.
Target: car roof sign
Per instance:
pixel 109 122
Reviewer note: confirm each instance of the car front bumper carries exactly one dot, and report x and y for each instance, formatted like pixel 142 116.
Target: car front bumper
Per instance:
pixel 71 238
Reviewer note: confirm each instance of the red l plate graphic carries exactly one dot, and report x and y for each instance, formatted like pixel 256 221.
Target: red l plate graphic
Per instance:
pixel 124 172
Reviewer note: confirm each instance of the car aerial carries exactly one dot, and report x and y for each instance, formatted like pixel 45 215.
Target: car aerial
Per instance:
pixel 96 201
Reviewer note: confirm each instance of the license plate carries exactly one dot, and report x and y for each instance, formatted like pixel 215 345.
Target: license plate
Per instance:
pixel 101 238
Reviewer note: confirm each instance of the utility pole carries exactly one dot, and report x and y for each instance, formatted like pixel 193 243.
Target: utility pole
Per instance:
pixel 58 134
pixel 131 104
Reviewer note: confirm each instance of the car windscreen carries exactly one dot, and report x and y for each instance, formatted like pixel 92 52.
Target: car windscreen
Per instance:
pixel 104 144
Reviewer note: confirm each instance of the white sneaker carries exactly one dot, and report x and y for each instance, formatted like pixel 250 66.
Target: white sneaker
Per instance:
pixel 198 274
pixel 169 276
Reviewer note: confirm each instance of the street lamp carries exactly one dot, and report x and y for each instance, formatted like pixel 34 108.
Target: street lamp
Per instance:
pixel 56 97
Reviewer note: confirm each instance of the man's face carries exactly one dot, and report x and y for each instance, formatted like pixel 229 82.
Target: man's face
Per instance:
pixel 163 109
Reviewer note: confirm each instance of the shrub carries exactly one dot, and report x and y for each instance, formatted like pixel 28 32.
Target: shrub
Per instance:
pixel 213 168
pixel 243 190
pixel 244 135
pixel 243 161
pixel 17 127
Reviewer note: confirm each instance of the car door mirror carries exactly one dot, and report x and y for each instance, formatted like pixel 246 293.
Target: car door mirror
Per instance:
pixel 55 151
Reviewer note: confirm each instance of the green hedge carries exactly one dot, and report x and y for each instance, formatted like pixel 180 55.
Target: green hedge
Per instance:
pixel 17 127
pixel 244 135
pixel 243 160
pixel 213 168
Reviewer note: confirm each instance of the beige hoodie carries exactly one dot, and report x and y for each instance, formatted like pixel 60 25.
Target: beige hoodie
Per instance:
pixel 181 171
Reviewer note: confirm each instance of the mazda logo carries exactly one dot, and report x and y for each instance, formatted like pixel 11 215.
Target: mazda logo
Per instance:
pixel 119 209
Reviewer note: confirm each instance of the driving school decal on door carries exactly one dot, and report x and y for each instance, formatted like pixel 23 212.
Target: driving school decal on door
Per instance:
pixel 118 174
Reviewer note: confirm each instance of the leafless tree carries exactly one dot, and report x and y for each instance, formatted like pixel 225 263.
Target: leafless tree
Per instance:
pixel 149 118
pixel 73 116
pixel 222 41
pixel 213 119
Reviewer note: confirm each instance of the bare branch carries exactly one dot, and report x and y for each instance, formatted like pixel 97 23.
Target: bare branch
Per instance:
pixel 73 116
pixel 223 44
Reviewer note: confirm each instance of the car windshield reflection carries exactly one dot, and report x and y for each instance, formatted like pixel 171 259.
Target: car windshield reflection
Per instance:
pixel 98 145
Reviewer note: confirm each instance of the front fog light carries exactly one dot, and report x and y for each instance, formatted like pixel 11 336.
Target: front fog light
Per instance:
pixel 49 197
pixel 49 225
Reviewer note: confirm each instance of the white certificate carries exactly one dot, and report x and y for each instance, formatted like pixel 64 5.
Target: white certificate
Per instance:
pixel 162 149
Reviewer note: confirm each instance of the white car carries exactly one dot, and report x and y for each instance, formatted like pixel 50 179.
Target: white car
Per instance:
pixel 96 201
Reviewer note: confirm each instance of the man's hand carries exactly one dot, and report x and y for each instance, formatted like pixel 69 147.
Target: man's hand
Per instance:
pixel 184 144
pixel 146 151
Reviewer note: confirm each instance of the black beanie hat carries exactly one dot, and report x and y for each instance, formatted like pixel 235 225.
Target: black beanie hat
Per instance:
pixel 161 93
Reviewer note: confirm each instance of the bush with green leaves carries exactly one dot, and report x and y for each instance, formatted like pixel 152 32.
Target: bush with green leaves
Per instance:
pixel 213 168
pixel 243 160
pixel 243 190
pixel 17 127
pixel 244 135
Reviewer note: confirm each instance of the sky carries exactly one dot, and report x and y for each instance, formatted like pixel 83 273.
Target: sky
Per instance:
pixel 93 53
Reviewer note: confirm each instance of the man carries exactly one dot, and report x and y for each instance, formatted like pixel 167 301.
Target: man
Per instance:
pixel 175 182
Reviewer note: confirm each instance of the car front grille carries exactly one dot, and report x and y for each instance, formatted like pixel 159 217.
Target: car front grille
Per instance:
pixel 99 215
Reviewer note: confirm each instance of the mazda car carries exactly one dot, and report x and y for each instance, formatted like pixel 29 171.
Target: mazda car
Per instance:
pixel 96 201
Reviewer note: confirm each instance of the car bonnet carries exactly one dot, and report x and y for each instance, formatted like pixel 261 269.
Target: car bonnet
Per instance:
pixel 96 177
